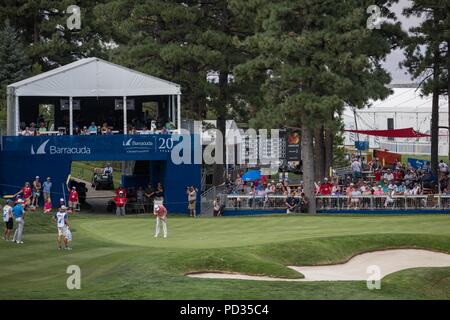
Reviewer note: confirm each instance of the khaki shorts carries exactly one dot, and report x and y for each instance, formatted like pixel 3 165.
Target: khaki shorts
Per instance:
pixel 62 231
pixel 73 204
pixel 191 205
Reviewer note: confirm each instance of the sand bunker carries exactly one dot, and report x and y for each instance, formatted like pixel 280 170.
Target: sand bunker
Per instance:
pixel 356 269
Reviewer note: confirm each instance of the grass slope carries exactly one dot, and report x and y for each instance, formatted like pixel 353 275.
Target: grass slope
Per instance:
pixel 119 258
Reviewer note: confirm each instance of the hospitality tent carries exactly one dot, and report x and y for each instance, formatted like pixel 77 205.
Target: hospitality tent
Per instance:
pixel 91 77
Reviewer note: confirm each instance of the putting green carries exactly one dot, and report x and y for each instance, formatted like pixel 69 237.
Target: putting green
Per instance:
pixel 245 231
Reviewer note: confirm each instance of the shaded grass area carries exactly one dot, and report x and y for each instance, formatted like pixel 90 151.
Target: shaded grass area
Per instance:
pixel 120 259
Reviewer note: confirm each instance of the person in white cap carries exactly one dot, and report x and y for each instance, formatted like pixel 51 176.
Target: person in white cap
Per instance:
pixel 62 225
pixel 161 218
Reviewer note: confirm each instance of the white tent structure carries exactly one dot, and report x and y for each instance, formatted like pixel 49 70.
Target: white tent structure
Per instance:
pixel 405 108
pixel 91 77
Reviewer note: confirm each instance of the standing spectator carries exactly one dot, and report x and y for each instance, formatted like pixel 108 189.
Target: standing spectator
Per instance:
pixel 120 201
pixel 73 199
pixel 47 187
pixel 26 193
pixel 8 219
pixel 140 198
pixel 216 207
pixel 121 189
pixel 443 168
pixel 159 193
pixel 37 186
pixel 19 215
pixel 356 169
pixel 192 197
pixel 291 204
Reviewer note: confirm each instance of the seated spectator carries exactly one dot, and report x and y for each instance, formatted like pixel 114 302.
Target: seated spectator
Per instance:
pixel 48 206
pixel 42 129
pixel 104 128
pixel 76 131
pixel 134 131
pixel 92 128
pixel 108 169
pixel 145 130
pixel 27 132
pixel 164 131
pixel 84 131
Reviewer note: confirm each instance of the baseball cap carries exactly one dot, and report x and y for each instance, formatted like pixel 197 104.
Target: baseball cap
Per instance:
pixel 63 207
pixel 156 207
pixel 20 201
pixel 37 177
pixel 8 200
pixel 74 187
pixel 61 200
pixel 120 191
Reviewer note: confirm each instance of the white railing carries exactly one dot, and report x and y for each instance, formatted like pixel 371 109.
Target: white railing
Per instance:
pixel 340 202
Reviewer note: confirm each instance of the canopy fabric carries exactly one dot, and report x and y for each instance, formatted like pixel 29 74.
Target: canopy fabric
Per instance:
pixel 252 175
pixel 93 77
pixel 393 133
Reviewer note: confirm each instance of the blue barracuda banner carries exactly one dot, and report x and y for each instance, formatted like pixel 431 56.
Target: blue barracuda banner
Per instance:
pixel 95 147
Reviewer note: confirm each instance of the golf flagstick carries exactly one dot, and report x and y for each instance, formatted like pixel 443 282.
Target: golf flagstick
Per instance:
pixel 64 193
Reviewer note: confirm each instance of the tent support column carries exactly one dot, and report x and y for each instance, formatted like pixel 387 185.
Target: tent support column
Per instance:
pixel 71 116
pixel 124 115
pixel 179 113
pixel 173 109
pixel 17 114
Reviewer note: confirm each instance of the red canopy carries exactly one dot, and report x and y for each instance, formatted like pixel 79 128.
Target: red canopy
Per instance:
pixel 394 133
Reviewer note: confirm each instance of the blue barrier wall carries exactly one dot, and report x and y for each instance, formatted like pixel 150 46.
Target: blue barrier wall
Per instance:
pixel 22 158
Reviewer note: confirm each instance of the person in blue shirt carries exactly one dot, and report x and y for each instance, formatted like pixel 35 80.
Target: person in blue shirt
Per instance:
pixel 18 213
pixel 92 128
pixel 46 188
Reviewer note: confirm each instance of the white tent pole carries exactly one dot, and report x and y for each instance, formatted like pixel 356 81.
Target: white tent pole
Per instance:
pixel 169 108
pixel 17 121
pixel 124 115
pixel 179 113
pixel 71 116
pixel 173 109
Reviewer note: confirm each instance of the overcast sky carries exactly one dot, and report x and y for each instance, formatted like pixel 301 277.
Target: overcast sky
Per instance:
pixel 392 60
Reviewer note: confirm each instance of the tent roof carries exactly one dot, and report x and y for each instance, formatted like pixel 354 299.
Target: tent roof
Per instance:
pixel 93 77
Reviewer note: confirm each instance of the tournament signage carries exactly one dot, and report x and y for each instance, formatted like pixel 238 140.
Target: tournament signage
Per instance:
pixel 93 147
pixel 293 148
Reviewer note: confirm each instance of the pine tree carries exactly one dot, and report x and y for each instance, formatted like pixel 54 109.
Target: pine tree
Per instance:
pixel 427 57
pixel 14 63
pixel 317 57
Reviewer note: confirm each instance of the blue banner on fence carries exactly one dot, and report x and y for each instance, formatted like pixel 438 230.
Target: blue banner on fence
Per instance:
pixel 416 163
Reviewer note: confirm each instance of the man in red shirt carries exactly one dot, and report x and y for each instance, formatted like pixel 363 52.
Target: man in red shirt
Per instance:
pixel 121 189
pixel 120 201
pixel 73 199
pixel 26 193
pixel 325 190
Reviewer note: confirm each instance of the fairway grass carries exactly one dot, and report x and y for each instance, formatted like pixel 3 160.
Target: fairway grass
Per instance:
pixel 120 259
